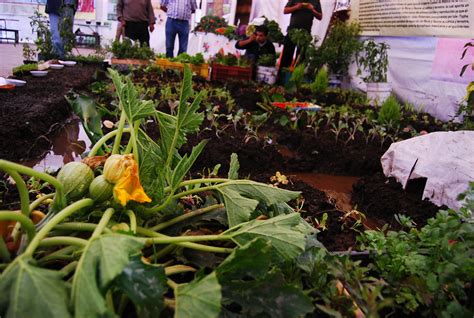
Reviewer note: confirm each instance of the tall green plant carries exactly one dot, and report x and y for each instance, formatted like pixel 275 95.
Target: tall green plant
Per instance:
pixel 390 112
pixel 338 49
pixel 43 42
pixel 320 83
pixel 374 59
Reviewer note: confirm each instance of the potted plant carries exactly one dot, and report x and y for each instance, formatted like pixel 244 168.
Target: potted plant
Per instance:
pixel 373 59
pixel 266 70
pixel 29 54
pixel 337 51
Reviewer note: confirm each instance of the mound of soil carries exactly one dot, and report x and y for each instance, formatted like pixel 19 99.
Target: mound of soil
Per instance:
pixel 30 115
pixel 381 198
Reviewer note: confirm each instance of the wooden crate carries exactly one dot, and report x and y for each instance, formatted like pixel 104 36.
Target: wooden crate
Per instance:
pixel 223 73
pixel 129 61
pixel 200 70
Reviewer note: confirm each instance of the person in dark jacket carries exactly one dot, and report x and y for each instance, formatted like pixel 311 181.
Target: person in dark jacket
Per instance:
pixel 257 44
pixel 136 17
pixel 61 15
pixel 302 13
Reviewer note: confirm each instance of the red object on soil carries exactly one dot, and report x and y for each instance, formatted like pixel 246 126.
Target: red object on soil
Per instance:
pixel 285 105
pixel 7 87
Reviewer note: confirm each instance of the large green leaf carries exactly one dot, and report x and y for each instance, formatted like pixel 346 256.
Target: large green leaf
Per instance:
pixel 270 296
pixel 174 129
pixel 250 260
pixel 185 164
pixel 200 298
pixel 134 106
pixel 234 167
pixel 238 207
pixel 86 108
pixel 29 291
pixel 103 259
pixel 287 234
pixel 242 197
pixel 152 175
pixel 145 285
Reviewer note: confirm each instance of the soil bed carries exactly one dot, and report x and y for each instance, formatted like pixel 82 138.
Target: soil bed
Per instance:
pixel 30 115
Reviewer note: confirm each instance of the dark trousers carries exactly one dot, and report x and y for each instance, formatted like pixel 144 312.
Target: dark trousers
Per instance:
pixel 138 31
pixel 288 51
pixel 176 27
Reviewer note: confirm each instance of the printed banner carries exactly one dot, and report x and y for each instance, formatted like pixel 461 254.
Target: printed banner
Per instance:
pixel 447 63
pixel 85 10
pixel 443 18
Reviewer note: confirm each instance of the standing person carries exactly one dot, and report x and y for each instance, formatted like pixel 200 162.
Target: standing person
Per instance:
pixel 257 44
pixel 179 13
pixel 136 16
pixel 302 14
pixel 61 15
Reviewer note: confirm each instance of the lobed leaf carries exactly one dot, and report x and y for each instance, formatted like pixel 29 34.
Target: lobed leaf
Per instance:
pixel 145 285
pixel 199 298
pixel 103 260
pixel 30 291
pixel 287 233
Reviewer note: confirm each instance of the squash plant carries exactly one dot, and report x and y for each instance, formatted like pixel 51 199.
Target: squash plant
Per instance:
pixel 132 259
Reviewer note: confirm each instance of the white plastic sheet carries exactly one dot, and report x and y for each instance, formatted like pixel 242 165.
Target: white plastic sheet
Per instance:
pixel 446 159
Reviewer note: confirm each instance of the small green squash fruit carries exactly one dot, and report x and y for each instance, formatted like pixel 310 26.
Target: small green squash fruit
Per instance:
pixel 100 189
pixel 76 178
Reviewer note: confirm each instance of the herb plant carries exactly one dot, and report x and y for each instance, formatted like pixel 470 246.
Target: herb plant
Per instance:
pixel 374 59
pixel 267 60
pixel 390 112
pixel 127 49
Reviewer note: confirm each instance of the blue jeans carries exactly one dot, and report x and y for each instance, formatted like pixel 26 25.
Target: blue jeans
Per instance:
pixel 176 27
pixel 58 46
pixel 55 21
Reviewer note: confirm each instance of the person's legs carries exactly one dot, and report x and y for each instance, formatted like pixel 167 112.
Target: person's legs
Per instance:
pixel 170 31
pixel 143 34
pixel 66 28
pixel 183 34
pixel 55 35
pixel 287 54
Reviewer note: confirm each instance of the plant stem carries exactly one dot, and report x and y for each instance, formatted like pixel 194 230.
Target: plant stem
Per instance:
pixel 26 223
pixel 64 213
pixel 40 200
pixel 178 269
pixel 172 284
pixel 118 137
pixel 186 216
pixel 58 254
pixel 63 240
pixel 79 226
pixel 103 223
pixel 133 221
pixel 22 190
pixel 66 270
pixel 103 140
pixel 158 208
pixel 204 180
pixel 4 164
pixel 163 252
pixel 4 253
pixel 195 246
pixel 181 239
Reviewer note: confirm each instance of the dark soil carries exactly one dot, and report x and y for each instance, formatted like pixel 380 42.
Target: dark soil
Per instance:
pixel 30 115
pixel 382 198
pixel 275 149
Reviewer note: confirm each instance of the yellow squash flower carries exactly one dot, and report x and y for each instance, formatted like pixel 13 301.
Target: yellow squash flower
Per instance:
pixel 123 171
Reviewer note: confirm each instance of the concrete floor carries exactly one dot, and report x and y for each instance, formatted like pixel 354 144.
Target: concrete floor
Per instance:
pixel 11 55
